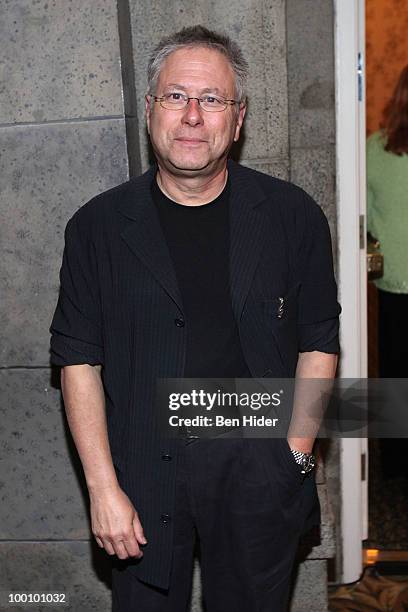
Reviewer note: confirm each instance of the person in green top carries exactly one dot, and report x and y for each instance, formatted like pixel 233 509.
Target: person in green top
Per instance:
pixel 387 189
pixel 387 220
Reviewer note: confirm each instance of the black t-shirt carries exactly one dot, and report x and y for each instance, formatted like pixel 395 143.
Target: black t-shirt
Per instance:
pixel 198 241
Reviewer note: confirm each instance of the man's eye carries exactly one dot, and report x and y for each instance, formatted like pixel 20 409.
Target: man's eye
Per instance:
pixel 174 96
pixel 212 100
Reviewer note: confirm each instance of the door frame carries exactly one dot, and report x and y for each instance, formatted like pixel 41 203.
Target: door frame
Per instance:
pixel 352 274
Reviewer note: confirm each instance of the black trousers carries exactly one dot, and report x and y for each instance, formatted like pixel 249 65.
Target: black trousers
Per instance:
pixel 393 361
pixel 393 334
pixel 248 522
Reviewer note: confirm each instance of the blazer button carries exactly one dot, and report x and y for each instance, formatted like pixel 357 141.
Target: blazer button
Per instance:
pixel 179 322
pixel 166 457
pixel 165 518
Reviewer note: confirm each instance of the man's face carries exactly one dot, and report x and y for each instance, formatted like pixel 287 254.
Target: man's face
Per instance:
pixel 192 141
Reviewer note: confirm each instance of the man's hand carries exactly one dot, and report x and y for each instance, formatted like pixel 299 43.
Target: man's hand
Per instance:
pixel 115 523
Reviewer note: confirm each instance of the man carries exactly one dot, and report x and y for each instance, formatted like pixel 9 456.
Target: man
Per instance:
pixel 198 268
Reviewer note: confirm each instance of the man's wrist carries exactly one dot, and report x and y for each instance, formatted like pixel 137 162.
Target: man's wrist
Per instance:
pixel 301 444
pixel 96 486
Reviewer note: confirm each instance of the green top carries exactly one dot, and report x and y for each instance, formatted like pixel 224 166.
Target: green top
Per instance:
pixel 387 211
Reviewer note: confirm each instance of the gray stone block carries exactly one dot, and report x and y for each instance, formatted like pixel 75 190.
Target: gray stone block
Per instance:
pixel 310 592
pixel 42 491
pixel 332 466
pixel 196 592
pixel 332 454
pixel 259 29
pixel 310 72
pixel 60 60
pixel 47 173
pixel 314 171
pixel 326 548
pixel 78 569
pixel 274 167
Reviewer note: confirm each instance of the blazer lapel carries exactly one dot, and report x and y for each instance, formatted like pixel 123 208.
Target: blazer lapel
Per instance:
pixel 144 234
pixel 246 233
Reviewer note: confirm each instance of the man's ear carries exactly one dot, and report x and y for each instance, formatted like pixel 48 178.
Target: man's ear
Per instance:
pixel 240 120
pixel 148 110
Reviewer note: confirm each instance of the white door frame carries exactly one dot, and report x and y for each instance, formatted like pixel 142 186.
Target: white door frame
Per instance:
pixel 350 152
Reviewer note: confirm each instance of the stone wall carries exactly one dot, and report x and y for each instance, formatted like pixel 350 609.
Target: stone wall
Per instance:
pixel 72 83
pixel 62 140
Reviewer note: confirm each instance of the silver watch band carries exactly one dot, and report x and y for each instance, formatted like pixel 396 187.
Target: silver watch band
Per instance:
pixel 306 461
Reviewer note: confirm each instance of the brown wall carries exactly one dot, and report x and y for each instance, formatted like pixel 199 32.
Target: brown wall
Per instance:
pixel 386 53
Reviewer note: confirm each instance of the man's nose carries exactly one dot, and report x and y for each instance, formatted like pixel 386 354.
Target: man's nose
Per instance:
pixel 193 113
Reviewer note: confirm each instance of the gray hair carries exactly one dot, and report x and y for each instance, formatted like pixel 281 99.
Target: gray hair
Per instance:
pixel 199 36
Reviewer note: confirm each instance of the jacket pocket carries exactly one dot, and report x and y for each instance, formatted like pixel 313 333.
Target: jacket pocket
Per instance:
pixel 280 315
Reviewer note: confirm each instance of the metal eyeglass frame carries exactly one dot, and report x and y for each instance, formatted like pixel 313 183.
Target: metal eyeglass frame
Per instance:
pixel 187 99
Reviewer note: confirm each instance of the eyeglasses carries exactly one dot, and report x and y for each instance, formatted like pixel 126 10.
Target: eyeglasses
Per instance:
pixel 178 101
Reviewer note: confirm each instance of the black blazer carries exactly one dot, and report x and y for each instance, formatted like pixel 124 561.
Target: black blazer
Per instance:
pixel 119 302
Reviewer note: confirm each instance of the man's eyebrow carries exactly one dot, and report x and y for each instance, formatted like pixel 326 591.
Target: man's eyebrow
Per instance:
pixel 214 90
pixel 176 85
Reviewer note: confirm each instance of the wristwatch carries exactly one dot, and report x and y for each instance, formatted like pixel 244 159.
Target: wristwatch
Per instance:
pixel 306 461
